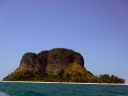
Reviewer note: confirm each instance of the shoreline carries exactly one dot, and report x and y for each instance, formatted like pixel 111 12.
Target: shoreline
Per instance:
pixel 65 82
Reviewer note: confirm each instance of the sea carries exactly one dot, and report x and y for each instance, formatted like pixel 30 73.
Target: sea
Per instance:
pixel 62 89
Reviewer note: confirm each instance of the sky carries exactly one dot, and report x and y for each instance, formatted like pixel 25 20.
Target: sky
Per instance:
pixel 97 29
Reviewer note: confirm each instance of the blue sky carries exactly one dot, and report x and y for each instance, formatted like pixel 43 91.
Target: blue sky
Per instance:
pixel 97 29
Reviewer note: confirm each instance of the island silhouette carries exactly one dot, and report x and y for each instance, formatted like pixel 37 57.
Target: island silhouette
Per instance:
pixel 57 65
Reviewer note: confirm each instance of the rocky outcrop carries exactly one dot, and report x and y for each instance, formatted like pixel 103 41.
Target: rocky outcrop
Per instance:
pixel 51 61
pixel 28 60
pixel 41 61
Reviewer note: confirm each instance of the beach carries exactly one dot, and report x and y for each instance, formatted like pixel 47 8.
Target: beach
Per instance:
pixel 65 82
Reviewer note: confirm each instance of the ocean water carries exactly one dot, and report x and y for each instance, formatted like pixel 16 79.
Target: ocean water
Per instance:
pixel 62 89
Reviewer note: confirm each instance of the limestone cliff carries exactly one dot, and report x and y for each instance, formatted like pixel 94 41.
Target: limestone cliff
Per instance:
pixel 51 61
pixel 57 65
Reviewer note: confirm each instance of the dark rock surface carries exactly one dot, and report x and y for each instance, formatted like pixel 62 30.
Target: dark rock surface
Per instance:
pixel 41 61
pixel 51 61
pixel 28 60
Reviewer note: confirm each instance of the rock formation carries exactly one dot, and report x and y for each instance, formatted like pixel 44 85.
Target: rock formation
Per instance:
pixel 28 60
pixel 68 64
pixel 51 61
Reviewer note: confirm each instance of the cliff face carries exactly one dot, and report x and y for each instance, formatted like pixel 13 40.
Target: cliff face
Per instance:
pixel 28 60
pixel 36 67
pixel 51 61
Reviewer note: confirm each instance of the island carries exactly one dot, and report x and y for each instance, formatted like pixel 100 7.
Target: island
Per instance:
pixel 57 65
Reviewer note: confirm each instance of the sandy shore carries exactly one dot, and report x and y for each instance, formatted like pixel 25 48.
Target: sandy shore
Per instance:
pixel 63 82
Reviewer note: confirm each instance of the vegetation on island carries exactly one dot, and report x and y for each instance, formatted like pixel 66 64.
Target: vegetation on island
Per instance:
pixel 74 73
pixel 57 65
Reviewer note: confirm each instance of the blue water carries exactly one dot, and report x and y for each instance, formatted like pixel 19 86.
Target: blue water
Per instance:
pixel 61 89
